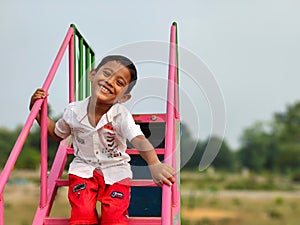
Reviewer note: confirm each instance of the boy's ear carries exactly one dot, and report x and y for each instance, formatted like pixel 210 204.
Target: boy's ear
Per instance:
pixel 125 98
pixel 92 74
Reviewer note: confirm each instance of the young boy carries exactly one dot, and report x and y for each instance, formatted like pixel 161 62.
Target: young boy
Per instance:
pixel 99 126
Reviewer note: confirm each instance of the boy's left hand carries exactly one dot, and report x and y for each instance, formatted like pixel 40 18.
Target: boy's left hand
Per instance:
pixel 162 174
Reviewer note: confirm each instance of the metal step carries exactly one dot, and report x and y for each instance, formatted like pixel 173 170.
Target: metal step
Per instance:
pixel 132 221
pixel 150 118
pixel 159 151
pixel 133 183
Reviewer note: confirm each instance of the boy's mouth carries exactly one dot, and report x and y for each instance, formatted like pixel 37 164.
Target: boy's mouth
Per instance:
pixel 105 89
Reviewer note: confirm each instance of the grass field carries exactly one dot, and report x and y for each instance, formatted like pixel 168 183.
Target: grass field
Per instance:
pixel 207 199
pixel 247 208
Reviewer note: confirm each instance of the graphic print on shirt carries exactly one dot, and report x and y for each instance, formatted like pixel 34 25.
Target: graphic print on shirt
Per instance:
pixel 111 147
pixel 78 135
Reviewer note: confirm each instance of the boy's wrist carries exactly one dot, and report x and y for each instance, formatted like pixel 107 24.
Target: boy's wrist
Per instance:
pixel 154 163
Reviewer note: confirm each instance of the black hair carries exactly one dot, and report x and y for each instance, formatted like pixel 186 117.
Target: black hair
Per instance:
pixel 125 62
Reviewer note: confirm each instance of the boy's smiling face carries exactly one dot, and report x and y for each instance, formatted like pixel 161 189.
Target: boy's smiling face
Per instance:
pixel 110 82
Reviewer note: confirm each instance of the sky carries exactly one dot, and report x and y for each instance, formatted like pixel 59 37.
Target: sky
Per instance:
pixel 239 59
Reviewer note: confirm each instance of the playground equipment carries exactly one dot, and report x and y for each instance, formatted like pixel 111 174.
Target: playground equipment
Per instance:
pixel 149 204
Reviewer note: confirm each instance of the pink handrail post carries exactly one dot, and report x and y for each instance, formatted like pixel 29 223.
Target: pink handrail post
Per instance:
pixel 15 153
pixel 56 171
pixel 44 153
pixel 1 210
pixel 176 92
pixel 18 146
pixel 71 70
pixel 176 131
pixel 170 128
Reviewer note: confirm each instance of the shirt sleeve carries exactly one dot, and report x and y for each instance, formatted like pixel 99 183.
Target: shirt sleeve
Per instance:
pixel 62 128
pixel 128 126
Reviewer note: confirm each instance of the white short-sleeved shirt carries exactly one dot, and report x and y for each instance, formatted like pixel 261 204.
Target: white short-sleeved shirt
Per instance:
pixel 101 147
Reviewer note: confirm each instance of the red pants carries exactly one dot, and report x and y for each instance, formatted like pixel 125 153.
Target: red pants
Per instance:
pixel 83 196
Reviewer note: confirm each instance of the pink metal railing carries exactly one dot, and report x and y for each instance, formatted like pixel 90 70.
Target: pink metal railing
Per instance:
pixel 41 103
pixel 176 133
pixel 71 70
pixel 169 199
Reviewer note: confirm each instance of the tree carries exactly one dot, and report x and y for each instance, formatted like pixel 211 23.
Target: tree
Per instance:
pixel 225 159
pixel 287 131
pixel 188 147
pixel 255 143
pixel 29 157
pixel 6 143
pixel 274 145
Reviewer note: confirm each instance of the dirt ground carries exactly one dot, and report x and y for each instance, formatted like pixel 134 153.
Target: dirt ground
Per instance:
pixel 207 213
pixel 21 199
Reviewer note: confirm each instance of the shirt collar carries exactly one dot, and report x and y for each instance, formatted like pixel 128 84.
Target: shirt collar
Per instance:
pixel 81 111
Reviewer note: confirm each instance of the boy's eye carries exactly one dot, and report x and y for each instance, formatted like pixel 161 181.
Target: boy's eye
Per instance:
pixel 106 73
pixel 120 83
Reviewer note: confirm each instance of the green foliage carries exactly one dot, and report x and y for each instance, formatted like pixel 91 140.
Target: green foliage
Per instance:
pixel 188 148
pixel 29 157
pixel 225 159
pixel 250 184
pixel 6 142
pixel 214 181
pixel 273 146
pixel 255 145
pixel 274 214
pixel 264 146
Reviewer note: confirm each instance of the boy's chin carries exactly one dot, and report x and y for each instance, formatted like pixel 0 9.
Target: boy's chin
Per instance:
pixel 105 101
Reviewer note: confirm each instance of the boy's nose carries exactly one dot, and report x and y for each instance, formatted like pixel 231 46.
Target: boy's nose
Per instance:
pixel 109 81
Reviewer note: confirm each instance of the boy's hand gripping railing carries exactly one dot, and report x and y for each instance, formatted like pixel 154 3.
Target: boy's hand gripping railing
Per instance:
pixel 171 194
pixel 41 104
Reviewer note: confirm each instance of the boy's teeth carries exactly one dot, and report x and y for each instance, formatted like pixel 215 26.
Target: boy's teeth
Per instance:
pixel 104 89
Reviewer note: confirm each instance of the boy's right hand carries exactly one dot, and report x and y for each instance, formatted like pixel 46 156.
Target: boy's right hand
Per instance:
pixel 38 94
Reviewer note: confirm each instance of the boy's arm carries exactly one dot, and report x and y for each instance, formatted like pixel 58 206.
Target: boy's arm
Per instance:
pixel 40 93
pixel 161 172
pixel 51 127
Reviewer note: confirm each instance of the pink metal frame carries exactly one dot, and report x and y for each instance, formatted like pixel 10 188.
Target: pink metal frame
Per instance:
pixel 170 195
pixel 29 122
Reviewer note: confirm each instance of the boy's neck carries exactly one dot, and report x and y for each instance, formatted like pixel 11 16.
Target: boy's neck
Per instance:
pixel 96 111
